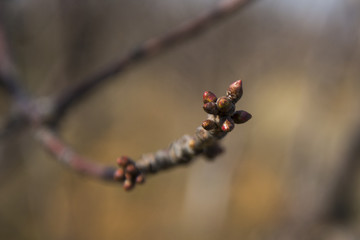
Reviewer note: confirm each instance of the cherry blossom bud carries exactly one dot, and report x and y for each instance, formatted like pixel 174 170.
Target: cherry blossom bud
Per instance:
pixel 140 179
pixel 119 174
pixel 209 97
pixel 235 91
pixel 228 125
pixel 128 185
pixel 131 169
pixel 224 104
pixel 123 161
pixel 241 117
pixel 208 124
pixel 210 108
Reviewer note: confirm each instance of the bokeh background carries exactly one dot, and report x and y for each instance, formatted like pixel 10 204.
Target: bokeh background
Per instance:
pixel 292 172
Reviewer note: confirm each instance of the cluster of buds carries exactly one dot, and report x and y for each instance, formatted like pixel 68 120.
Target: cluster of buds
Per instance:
pixel 222 118
pixel 222 115
pixel 128 173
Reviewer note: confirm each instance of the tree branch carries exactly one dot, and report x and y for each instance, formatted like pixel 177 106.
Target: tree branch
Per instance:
pixel 220 121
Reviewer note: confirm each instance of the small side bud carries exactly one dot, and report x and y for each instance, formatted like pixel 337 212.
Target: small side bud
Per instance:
pixel 128 185
pixel 209 97
pixel 224 104
pixel 228 125
pixel 123 161
pixel 131 169
pixel 241 117
pixel 208 124
pixel 140 179
pixel 119 175
pixel 210 108
pixel 235 91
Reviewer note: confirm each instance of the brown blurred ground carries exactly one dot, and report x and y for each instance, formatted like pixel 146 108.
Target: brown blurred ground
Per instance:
pixel 300 64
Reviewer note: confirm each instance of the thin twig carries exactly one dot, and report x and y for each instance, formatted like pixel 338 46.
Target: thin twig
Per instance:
pixel 151 47
pixel 205 141
pixel 67 156
pixel 43 134
pixel 220 121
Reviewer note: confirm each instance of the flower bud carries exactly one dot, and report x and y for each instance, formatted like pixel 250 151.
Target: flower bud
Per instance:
pixel 140 179
pixel 235 91
pixel 209 97
pixel 224 104
pixel 241 117
pixel 128 185
pixel 208 124
pixel 119 174
pixel 228 125
pixel 123 161
pixel 210 108
pixel 131 169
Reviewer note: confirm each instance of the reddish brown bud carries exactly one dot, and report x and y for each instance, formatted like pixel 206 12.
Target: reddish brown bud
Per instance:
pixel 140 179
pixel 210 108
pixel 235 91
pixel 209 97
pixel 119 174
pixel 131 169
pixel 208 124
pixel 128 185
pixel 123 161
pixel 241 117
pixel 224 104
pixel 228 125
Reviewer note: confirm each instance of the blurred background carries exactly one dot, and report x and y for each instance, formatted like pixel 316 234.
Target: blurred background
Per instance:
pixel 291 172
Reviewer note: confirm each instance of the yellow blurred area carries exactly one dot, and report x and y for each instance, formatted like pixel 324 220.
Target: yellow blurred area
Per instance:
pixel 299 61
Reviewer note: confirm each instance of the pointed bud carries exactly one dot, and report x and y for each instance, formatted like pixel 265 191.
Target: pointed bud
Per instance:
pixel 131 169
pixel 209 97
pixel 210 108
pixel 119 174
pixel 123 161
pixel 224 104
pixel 235 91
pixel 128 185
pixel 140 179
pixel 241 117
pixel 228 125
pixel 208 124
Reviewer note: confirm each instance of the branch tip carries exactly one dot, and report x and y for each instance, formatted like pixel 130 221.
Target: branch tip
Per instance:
pixel 221 120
